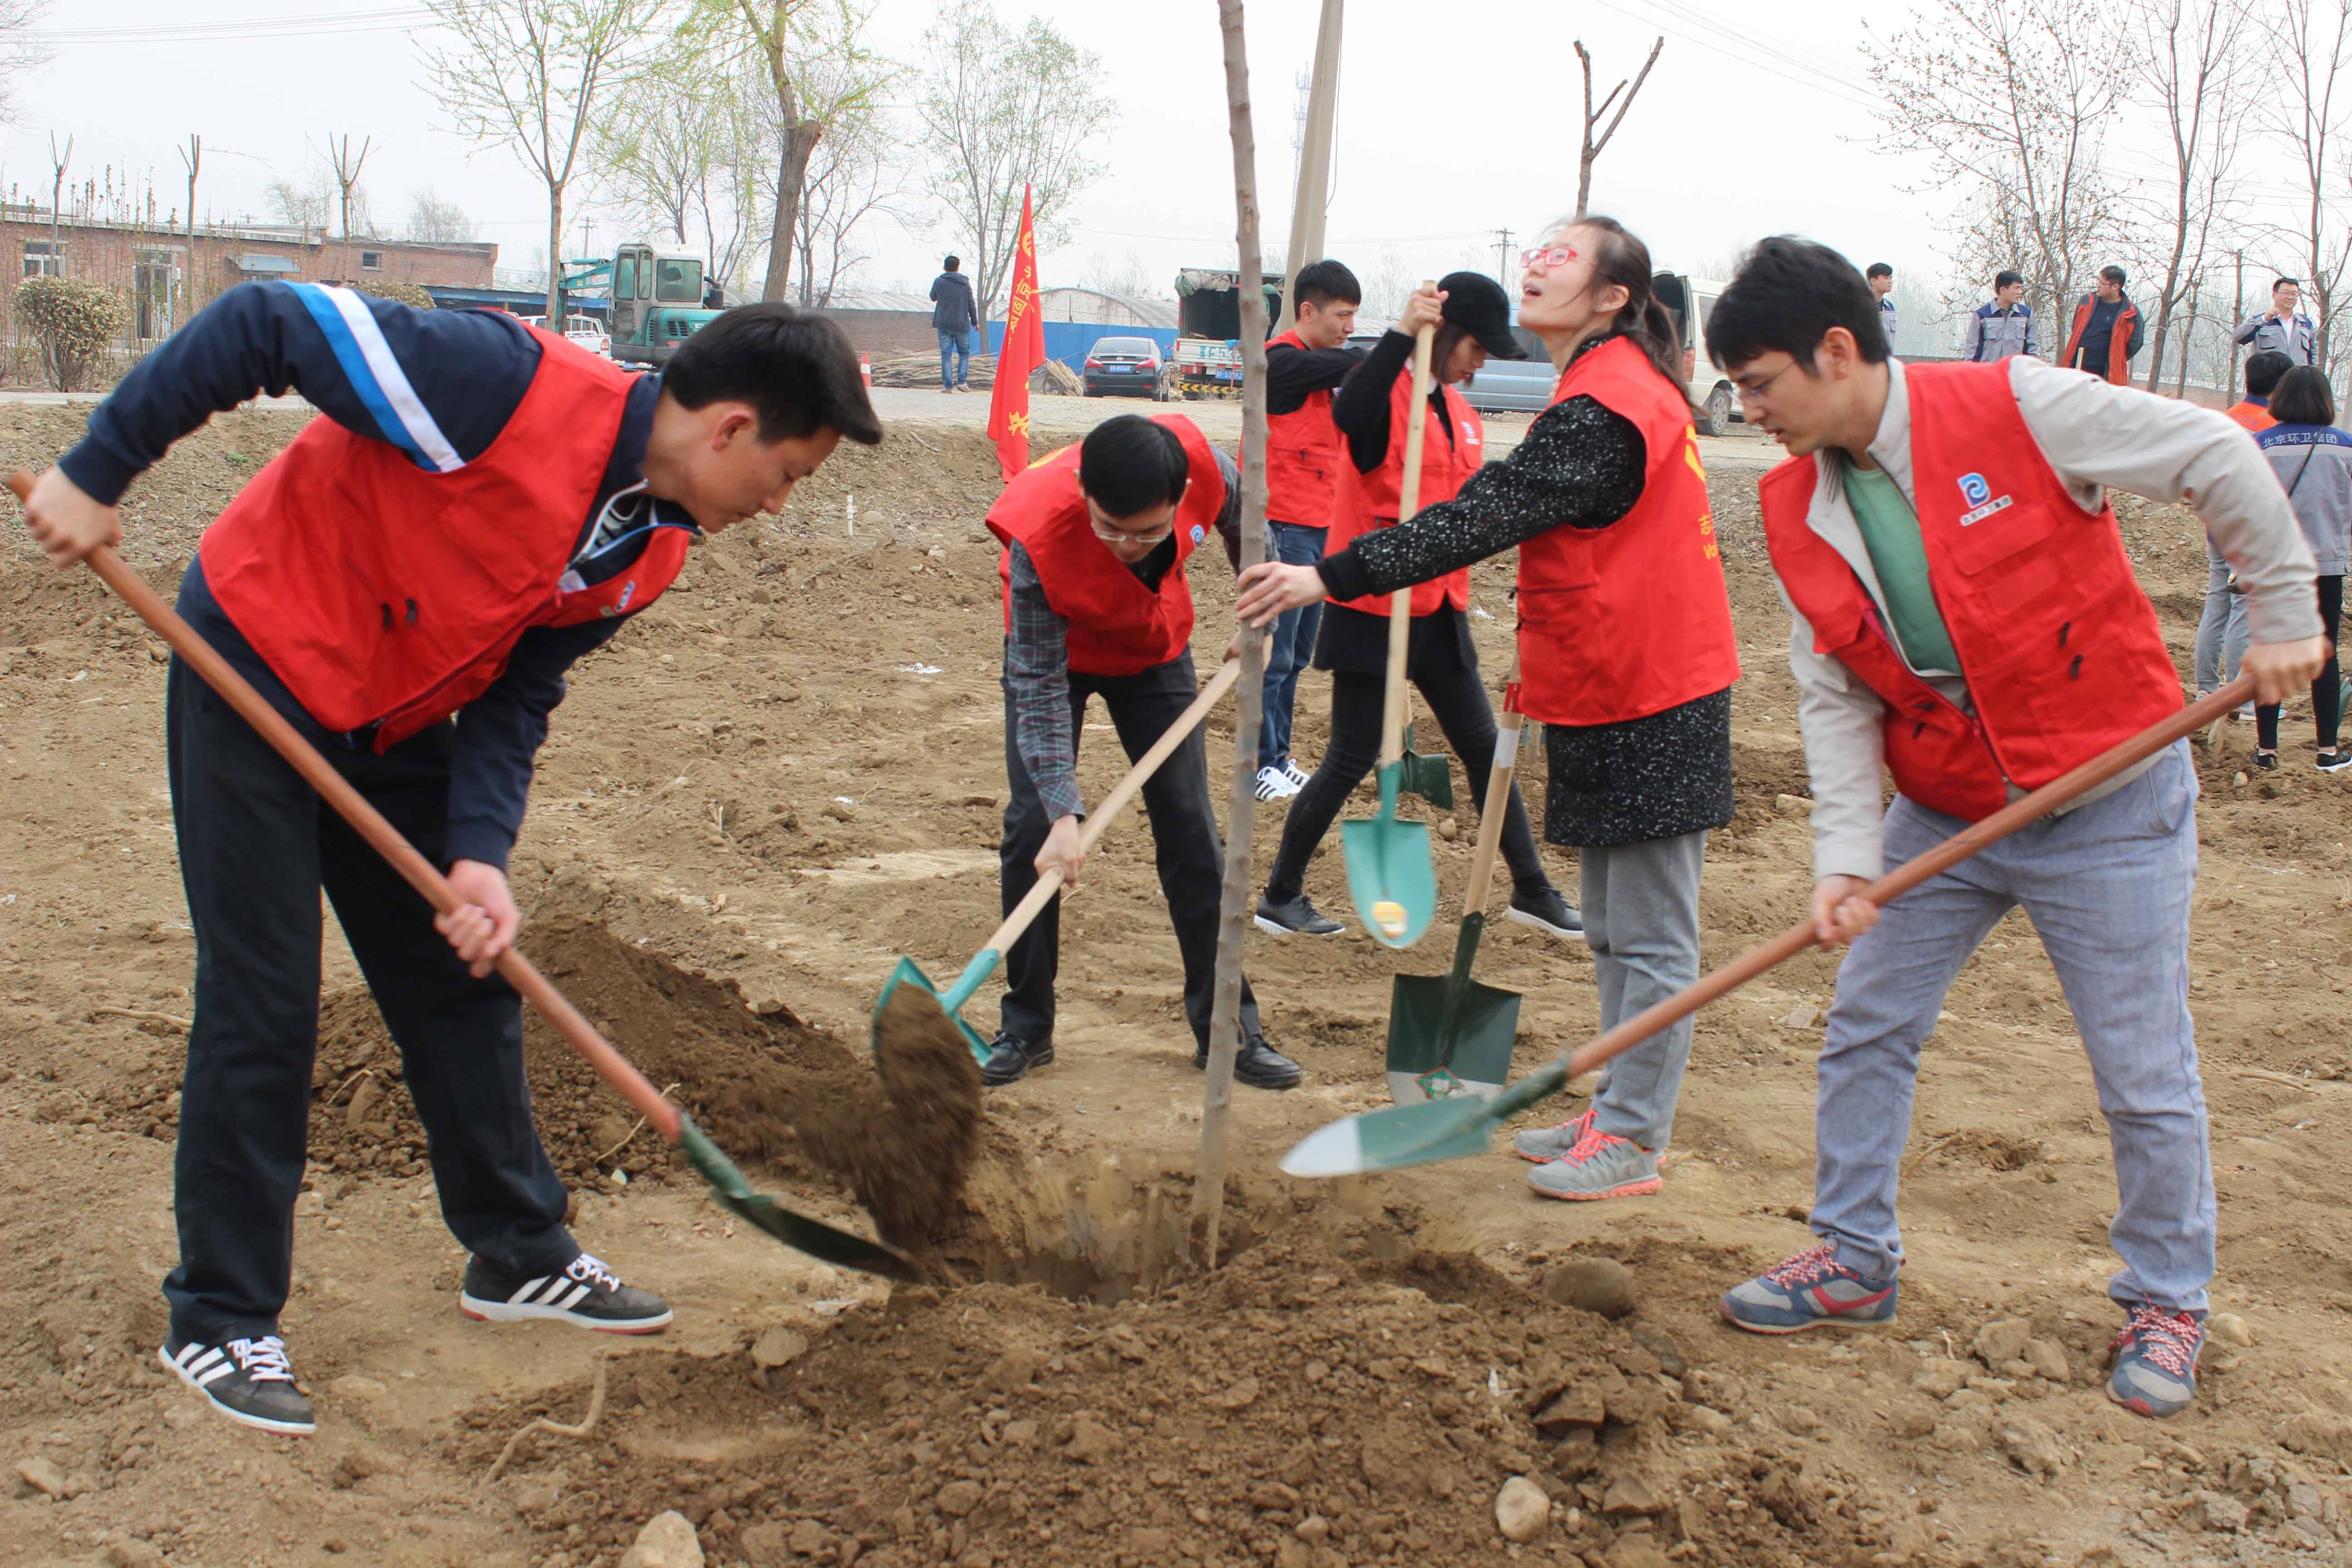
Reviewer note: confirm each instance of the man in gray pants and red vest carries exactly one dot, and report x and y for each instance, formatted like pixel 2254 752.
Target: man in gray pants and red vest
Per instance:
pixel 1965 615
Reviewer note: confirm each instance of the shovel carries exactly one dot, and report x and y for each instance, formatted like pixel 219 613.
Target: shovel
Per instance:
pixel 1457 1128
pixel 1449 1034
pixel 1426 774
pixel 991 954
pixel 676 1129
pixel 1390 874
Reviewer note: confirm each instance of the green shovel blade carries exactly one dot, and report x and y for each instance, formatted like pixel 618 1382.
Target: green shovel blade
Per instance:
pixel 798 1231
pixel 1390 874
pixel 1430 777
pixel 1455 1128
pixel 907 974
pixel 1428 1060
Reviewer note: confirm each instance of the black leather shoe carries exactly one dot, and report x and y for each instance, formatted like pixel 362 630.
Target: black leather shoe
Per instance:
pixel 1257 1063
pixel 1294 917
pixel 1010 1058
pixel 1547 911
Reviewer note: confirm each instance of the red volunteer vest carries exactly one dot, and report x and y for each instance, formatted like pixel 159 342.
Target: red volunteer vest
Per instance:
pixel 2118 366
pixel 1118 625
pixel 2058 643
pixel 1362 502
pixel 1622 622
pixel 385 593
pixel 1303 457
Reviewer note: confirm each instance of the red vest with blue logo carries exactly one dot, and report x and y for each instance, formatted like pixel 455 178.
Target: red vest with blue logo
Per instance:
pixel 1117 625
pixel 1362 502
pixel 1621 622
pixel 1303 455
pixel 2058 643
pixel 381 593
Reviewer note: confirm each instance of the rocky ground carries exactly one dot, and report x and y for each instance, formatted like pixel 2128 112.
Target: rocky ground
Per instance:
pixel 788 774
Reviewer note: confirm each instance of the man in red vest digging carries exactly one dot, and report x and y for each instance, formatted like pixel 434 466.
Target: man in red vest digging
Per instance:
pixel 1096 603
pixel 479 505
pixel 1966 616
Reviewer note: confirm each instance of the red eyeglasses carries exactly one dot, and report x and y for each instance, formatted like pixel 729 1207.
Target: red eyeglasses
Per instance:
pixel 1550 257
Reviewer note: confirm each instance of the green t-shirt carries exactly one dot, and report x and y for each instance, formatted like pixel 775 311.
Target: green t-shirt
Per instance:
pixel 1890 532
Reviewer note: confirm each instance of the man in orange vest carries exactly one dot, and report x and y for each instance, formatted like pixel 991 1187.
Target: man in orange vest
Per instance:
pixel 480 504
pixel 1096 604
pixel 1303 366
pixel 2107 330
pixel 1966 618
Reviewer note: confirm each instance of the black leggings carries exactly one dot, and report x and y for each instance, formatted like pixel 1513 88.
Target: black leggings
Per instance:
pixel 1456 698
pixel 2327 687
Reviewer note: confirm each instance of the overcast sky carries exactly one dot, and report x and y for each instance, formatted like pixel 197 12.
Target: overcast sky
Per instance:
pixel 1454 121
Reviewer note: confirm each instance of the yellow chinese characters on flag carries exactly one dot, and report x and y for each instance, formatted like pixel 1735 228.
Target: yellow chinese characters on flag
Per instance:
pixel 1017 360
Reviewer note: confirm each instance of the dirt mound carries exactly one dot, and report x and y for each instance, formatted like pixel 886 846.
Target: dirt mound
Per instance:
pixel 1288 1409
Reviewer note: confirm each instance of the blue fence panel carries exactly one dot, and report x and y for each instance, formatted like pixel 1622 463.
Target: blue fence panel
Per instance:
pixel 1070 342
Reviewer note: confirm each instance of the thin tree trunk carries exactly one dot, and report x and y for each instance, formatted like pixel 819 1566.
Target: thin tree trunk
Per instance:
pixel 1224 1019
pixel 792 174
pixel 555 258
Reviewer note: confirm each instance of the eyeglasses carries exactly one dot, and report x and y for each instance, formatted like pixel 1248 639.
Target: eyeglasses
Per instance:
pixel 1549 256
pixel 1122 536
pixel 1754 392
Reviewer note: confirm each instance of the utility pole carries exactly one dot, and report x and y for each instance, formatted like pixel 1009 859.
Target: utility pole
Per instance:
pixel 194 157
pixel 1313 194
pixel 1503 259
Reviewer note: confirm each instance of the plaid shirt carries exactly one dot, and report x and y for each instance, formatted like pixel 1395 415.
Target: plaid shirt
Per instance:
pixel 1037 660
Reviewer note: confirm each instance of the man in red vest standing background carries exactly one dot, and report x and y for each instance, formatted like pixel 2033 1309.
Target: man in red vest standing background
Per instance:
pixel 480 504
pixel 1096 539
pixel 1966 618
pixel 1303 453
pixel 2107 330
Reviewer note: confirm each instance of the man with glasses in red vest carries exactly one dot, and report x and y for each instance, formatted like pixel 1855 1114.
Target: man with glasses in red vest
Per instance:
pixel 1966 618
pixel 478 505
pixel 1096 541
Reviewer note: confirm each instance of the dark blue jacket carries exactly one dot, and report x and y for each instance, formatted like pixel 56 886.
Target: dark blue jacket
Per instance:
pixel 455 378
pixel 954 311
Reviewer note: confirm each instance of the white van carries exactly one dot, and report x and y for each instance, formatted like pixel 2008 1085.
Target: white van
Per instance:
pixel 1691 301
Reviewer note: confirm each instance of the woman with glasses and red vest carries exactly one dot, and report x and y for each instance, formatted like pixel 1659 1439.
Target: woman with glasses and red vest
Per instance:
pixel 1626 652
pixel 1966 618
pixel 1373 413
pixel 1097 537
pixel 476 506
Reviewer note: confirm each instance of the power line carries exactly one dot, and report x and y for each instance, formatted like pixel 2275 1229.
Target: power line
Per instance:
pixel 308 25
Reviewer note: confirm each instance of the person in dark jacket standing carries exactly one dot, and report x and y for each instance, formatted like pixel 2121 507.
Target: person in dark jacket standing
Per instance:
pixel 1626 650
pixel 954 317
pixel 2283 328
pixel 478 505
pixel 2107 330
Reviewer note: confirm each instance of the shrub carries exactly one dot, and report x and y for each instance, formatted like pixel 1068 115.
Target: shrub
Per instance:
pixel 407 293
pixel 76 323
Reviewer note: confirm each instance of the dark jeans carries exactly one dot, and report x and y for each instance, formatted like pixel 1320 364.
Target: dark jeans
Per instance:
pixel 955 359
pixel 1458 698
pixel 1292 644
pixel 255 846
pixel 1192 857
pixel 2327 687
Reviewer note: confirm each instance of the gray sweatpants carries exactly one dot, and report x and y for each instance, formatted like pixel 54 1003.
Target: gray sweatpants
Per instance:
pixel 2221 634
pixel 2107 886
pixel 1640 915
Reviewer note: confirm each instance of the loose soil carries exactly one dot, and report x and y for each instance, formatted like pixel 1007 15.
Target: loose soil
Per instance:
pixel 789 774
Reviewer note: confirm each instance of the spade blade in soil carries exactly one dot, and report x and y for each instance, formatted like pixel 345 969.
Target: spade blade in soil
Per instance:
pixel 1390 874
pixel 1427 775
pixel 813 1237
pixel 1449 1034
pixel 1390 1140
pixel 907 974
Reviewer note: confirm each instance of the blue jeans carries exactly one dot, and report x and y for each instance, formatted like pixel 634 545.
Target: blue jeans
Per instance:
pixel 2107 886
pixel 1292 644
pixel 955 348
pixel 2221 629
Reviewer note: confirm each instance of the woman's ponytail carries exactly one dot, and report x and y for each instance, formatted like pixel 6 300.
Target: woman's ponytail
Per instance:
pixel 1623 260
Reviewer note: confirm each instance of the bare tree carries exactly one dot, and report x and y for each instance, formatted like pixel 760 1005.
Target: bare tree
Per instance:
pixel 686 154
pixel 1387 285
pixel 302 204
pixel 1130 277
pixel 347 166
pixel 2310 47
pixel 436 219
pixel 2187 63
pixel 853 178
pixel 528 75
pixel 1002 113
pixel 2009 100
pixel 1591 150
pixel 58 160
pixel 21 53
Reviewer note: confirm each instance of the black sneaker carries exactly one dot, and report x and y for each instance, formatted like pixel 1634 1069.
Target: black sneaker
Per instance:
pixel 1258 1065
pixel 1547 911
pixel 585 1293
pixel 2335 761
pixel 248 1381
pixel 1010 1058
pixel 1295 917
pixel 2267 760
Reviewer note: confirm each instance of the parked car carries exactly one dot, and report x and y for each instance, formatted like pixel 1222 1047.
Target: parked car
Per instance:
pixel 586 331
pixel 1519 385
pixel 1125 365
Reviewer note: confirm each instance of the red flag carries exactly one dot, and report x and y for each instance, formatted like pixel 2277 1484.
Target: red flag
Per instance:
pixel 1023 352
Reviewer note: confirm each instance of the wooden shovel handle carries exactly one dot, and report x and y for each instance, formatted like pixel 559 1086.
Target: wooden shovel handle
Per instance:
pixel 369 823
pixel 1408 503
pixel 1498 792
pixel 1913 872
pixel 1098 821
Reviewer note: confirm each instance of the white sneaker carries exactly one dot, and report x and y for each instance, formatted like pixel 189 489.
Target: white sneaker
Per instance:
pixel 1273 783
pixel 1296 774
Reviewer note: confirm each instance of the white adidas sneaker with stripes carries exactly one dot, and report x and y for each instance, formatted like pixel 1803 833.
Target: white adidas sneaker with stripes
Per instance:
pixel 585 1293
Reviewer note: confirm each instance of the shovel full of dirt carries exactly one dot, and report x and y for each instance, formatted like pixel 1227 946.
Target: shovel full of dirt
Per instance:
pixel 911 1009
pixel 813 1237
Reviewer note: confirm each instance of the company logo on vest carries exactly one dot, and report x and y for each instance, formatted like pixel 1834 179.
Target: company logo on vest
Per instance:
pixel 1973 492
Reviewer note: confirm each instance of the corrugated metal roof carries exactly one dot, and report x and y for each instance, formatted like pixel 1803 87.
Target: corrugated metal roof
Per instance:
pixel 1096 307
pixel 875 300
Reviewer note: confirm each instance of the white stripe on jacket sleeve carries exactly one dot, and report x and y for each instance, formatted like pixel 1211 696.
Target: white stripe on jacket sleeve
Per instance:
pixel 392 381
